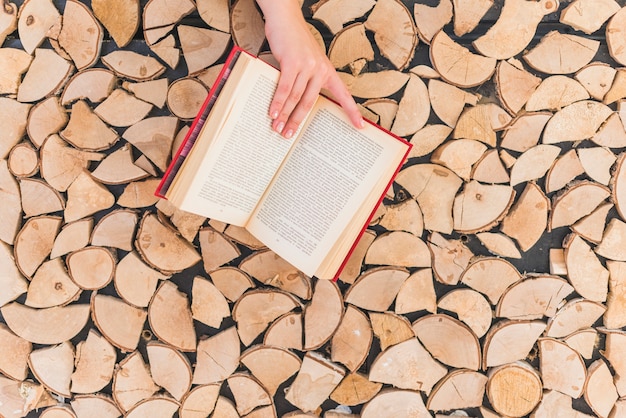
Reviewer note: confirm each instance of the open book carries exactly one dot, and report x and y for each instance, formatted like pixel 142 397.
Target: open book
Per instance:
pixel 308 199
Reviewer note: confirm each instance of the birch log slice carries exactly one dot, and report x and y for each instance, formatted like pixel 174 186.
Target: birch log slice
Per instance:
pixel 611 134
pixel 268 268
pixel 514 389
pixel 81 34
pixel 14 353
pixel 374 85
pixel 169 369
pixel 215 13
pixel 119 168
pixel 286 332
pixel 107 312
pixel 562 368
pixel 395 402
pixel 85 197
pixel 459 389
pixel 390 329
pixel 509 341
pixel 597 78
pixel 351 342
pixel 122 109
pixel 23 160
pixel 170 317
pixel 575 315
pixel 600 392
pixel 153 137
pixel 95 361
pixel 583 341
pixel 583 265
pixel 468 14
pixel 247 26
pixel 588 16
pixel 490 276
pixel 556 92
pixel 615 38
pixel 387 250
pixel 133 65
pixel 185 97
pixel 527 219
pixel 12 280
pixel 22 397
pixel 243 237
pixel 162 248
pixel 60 411
pixel 15 117
pixel 92 267
pixel 136 282
pixel 384 109
pixel 116 229
pixel 417 293
pixel 202 47
pixel 34 242
pixel 216 249
pixel 471 307
pixel 160 14
pixel 457 65
pixel 514 85
pixel 565 169
pixel 352 269
pixel 132 382
pixel 47 73
pixel 45 118
pixel 217 357
pixel 349 45
pixel 574 53
pixel 139 194
pixel 262 360
pixel 534 163
pixel 119 17
pixel 39 198
pixel 200 401
pixel 577 201
pixel 449 258
pixel 11 209
pixel 14 63
pixel 248 393
pixel 322 315
pixel 336 14
pixel 208 305
pixel 231 282
pixel 87 131
pixel 53 367
pixel 459 155
pixel 619 186
pixel 8 20
pixel 479 207
pixel 153 91
pixel 36 21
pixel 93 84
pixel 430 20
pixel 376 288
pixel 51 286
pixel 533 298
pixel 448 101
pixel 224 407
pixel 355 389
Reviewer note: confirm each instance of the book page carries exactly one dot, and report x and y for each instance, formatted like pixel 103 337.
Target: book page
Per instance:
pixel 331 172
pixel 245 155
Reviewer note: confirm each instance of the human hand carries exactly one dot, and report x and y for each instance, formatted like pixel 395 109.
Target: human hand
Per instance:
pixel 305 69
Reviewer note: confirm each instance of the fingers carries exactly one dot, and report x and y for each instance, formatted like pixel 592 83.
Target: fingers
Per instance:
pixel 345 99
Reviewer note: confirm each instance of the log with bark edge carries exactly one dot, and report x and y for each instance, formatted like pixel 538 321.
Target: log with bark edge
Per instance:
pixel 479 207
pixel 153 136
pixel 14 352
pixel 349 45
pixel 611 134
pixel 481 122
pixel 514 389
pixel 615 36
pixel 14 114
pixel 247 26
pixel 36 21
pixel 47 73
pixel 81 34
pixel 417 293
pixel 471 307
pixel 335 14
pixel 573 52
pixel 381 282
pixel 119 17
pixel 200 401
pixel 133 65
pixel 514 84
pixel 577 201
pixel 565 169
pixel 107 312
pixel 490 276
pixel 248 393
pixel 261 360
pixel 563 369
pixel 132 382
pixel 351 342
pixel 459 155
pixel 22 397
pixel 13 64
pixel 39 198
pixel 533 297
pixel 169 369
pixel 185 96
pixel 459 389
pixel 448 101
pixel 23 160
pixel 208 305
pixel 91 267
pixel 73 236
pixel 355 389
pixel 8 20
pixel 94 84
pixel 322 315
pixel 385 250
pixel 395 402
pixel 286 331
pixel 95 362
pixel 53 367
pixel 217 357
pixel 575 315
pixel 556 92
pixel 139 194
pixel 122 109
pixel 51 286
pixel 404 216
pixel 430 20
pixel 390 328
pixel 373 85
pixel 170 317
pixel 449 258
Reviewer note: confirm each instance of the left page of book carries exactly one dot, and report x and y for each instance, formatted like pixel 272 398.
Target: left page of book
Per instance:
pixel 237 153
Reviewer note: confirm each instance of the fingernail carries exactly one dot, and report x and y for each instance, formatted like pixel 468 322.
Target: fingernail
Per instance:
pixel 289 134
pixel 361 123
pixel 274 114
pixel 280 127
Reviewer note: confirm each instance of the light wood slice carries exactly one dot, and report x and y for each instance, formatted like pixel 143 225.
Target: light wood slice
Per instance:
pixel 215 13
pixel 575 315
pixel 87 131
pixel 12 280
pixel 459 389
pixel 614 316
pixel 107 314
pixel 600 392
pixel 448 101
pixel 132 382
pixel 115 229
pixel 122 109
pixel 165 49
pixel 8 20
pixel 256 309
pixel 169 368
pixel 554 402
pixel 133 65
pixel 459 155
pixel 352 269
pixel 247 26
pixel 251 399
pixel 434 187
pixel 39 198
pixel 467 14
pixel 224 407
pixel 153 137
pixel 36 21
pixel 471 307
pixel 61 164
pixel 157 407
pixel 376 288
pixel 60 411
pixel 314 383
pixel 479 207
pixel 14 62
pixel 95 361
pixel 135 282
pixel 93 84
pixel 262 360
pixel 449 258
pixel 618 183
pixel 23 160
pixel 187 224
pixel 615 341
pixel 588 15
pixel 34 242
pixel 413 108
pixel 153 91
pixel 524 131
pixel 440 333
pixel 430 20
pixel 507 158
pixel 499 244
pixel 514 389
pixel 268 268
pixel 597 163
pixel 286 332
pixel 119 17
pixel 160 13
pixel 119 168
pixel 200 401
pixel 615 36
pixel 53 367
pixel 490 276
pixel 417 293
pixel 47 73
pixel 597 77
pixel 208 305
pixel 562 368
pixel 161 248
pixel 350 44
pixel 231 282
pixel 577 201
pixel 81 34
pixel 565 169
pixel 533 298
pixel 243 237
pixel 139 194
pixel 14 352
pixel 85 197
pixel 322 315
pixel 534 163
pixel 557 261
pixel 514 84
pixel 556 92
pixel 390 328
pixel 514 28
pixel 612 133
pixel 384 111
pixel 457 65
pixel 19 398
pixel 46 118
pixel 11 209
pixel 352 340
pixel 335 14
pixel 481 122
pixel 51 286
pixel 185 97
pixel 91 267
pixel 407 365
pixel 217 357
pixel 583 341
pixel 612 241
pixel 355 389
pixel 216 249
pixel 170 317
pixel 374 85
pixel 396 403
pixel 387 250
pixel 14 116
pixel 574 53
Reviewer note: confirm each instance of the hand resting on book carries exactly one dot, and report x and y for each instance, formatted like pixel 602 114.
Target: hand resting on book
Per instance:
pixel 305 69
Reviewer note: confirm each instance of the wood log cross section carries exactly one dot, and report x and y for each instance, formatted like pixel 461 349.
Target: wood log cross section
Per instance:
pixel 491 282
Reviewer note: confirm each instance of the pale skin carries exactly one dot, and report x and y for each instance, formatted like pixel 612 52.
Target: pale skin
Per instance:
pixel 305 69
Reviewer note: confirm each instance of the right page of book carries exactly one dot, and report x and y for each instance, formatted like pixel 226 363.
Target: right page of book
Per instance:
pixel 318 203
